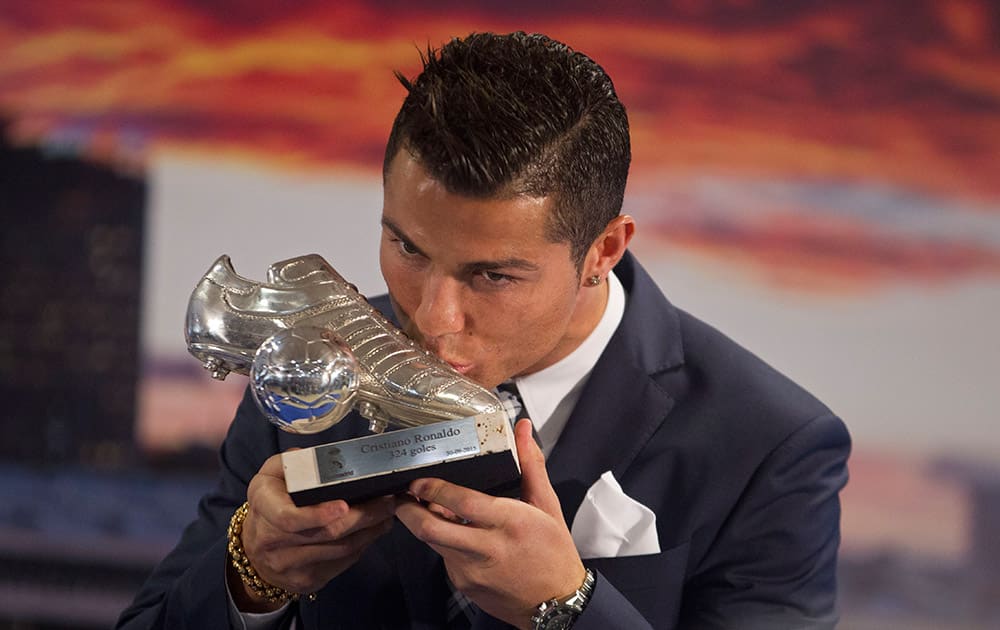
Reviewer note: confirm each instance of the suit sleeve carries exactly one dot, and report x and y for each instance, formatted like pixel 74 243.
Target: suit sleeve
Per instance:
pixel 773 563
pixel 187 589
pixel 609 610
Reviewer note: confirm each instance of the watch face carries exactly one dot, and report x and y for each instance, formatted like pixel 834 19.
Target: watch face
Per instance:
pixel 561 620
pixel 558 619
pixel 556 615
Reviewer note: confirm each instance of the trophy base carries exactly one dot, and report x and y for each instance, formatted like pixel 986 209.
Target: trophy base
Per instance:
pixel 476 452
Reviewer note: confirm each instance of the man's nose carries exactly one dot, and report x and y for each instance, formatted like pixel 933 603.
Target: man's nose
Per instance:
pixel 440 309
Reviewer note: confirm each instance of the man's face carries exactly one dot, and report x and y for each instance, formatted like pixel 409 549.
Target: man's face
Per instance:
pixel 476 281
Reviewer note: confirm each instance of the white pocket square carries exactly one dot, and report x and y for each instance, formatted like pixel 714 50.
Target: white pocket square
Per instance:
pixel 611 524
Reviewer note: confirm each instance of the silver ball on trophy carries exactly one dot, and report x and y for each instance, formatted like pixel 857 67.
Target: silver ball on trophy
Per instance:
pixel 305 379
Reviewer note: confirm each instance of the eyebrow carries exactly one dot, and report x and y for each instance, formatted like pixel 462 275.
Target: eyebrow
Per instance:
pixel 469 267
pixel 392 227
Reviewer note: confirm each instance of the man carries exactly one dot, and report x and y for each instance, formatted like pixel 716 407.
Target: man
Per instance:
pixel 505 253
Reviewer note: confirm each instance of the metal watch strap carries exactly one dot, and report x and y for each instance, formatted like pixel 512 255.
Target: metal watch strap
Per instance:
pixel 556 614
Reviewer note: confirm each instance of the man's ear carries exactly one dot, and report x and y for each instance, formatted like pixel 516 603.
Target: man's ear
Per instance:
pixel 608 249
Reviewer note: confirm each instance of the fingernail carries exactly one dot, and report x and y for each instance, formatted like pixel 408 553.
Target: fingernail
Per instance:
pixel 418 487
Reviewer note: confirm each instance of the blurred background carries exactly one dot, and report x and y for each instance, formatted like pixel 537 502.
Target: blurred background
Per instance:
pixel 820 180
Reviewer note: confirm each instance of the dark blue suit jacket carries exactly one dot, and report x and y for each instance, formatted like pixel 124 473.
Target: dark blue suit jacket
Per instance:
pixel 741 466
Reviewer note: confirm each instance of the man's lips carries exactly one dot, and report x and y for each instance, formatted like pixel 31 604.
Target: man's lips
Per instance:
pixel 461 368
pixel 411 331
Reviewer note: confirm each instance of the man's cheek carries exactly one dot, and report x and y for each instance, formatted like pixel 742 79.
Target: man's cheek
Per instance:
pixel 403 317
pixel 412 332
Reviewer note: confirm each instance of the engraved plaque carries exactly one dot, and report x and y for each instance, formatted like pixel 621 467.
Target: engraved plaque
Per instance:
pixel 476 452
pixel 395 450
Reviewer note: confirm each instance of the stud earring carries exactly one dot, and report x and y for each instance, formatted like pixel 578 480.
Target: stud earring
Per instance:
pixel 593 281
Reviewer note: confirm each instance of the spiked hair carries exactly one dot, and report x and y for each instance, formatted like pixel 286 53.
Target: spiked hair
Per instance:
pixel 519 114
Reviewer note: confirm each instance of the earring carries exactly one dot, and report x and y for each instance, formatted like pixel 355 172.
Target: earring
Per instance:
pixel 593 281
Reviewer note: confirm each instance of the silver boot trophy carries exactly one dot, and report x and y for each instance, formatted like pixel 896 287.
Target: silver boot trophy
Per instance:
pixel 315 349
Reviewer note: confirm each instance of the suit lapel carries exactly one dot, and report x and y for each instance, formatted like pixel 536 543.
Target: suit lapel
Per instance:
pixel 605 432
pixel 621 405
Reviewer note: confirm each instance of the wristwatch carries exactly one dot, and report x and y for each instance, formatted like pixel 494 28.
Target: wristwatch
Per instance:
pixel 556 614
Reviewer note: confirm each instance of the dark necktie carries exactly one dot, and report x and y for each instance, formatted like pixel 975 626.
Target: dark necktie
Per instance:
pixel 511 400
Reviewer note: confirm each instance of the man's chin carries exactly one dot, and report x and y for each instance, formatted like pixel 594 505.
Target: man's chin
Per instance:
pixel 476 375
pixel 405 323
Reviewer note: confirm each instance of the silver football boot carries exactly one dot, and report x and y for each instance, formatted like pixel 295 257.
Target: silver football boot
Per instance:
pixel 229 319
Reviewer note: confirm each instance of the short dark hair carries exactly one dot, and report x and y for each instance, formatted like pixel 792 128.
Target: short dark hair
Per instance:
pixel 494 115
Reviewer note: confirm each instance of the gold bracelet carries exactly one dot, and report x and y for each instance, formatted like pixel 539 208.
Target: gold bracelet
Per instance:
pixel 241 563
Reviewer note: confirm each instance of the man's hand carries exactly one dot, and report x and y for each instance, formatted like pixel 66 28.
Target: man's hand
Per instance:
pixel 505 555
pixel 300 549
